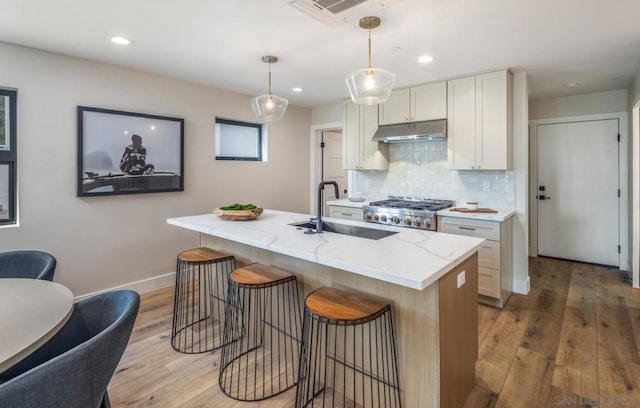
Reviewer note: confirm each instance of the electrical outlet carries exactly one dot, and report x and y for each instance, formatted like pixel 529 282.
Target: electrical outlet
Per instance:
pixel 461 278
pixel 486 186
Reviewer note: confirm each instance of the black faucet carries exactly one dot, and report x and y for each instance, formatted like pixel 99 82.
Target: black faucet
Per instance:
pixel 320 188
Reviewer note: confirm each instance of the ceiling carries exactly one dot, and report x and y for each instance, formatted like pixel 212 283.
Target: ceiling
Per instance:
pixel 220 43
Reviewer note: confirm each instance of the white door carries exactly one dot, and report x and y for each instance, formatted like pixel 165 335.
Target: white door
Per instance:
pixel 332 169
pixel 578 191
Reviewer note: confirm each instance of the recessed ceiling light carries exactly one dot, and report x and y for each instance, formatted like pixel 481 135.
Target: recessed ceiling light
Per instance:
pixel 121 41
pixel 573 84
pixel 297 89
pixel 424 59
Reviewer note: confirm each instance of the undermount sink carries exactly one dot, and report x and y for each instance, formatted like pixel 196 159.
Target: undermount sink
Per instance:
pixel 352 230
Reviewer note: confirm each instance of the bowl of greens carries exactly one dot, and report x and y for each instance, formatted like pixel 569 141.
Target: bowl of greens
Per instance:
pixel 238 212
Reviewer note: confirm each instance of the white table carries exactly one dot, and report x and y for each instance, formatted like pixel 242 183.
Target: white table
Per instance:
pixel 31 312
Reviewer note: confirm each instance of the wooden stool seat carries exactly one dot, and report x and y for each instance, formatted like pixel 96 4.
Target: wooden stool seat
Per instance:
pixel 260 276
pixel 260 355
pixel 199 255
pixel 198 308
pixel 344 307
pixel 348 356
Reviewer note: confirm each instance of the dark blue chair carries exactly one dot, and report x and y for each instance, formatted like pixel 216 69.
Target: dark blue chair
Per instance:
pixel 73 369
pixel 27 264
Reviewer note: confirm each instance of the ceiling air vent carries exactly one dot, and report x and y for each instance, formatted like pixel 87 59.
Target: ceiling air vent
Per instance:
pixel 337 12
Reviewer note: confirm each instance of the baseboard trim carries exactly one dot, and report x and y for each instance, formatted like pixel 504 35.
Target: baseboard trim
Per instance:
pixel 522 286
pixel 142 286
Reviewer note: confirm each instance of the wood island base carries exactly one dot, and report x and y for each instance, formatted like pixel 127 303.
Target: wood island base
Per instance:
pixel 436 328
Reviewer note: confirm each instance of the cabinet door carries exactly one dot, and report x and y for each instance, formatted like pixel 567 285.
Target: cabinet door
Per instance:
pixel 346 213
pixel 374 155
pixel 461 123
pixel 489 282
pixel 489 254
pixel 395 109
pixel 493 121
pixel 429 102
pixel 351 135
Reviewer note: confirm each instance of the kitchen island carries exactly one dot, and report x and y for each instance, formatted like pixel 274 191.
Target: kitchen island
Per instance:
pixel 429 278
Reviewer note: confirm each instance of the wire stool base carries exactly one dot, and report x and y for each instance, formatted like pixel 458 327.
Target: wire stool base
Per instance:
pixel 347 362
pixel 199 302
pixel 262 339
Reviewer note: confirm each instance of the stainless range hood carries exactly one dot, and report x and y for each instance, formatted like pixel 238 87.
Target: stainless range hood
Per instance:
pixel 427 131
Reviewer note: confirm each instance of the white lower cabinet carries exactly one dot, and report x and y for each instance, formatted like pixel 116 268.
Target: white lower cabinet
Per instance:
pixel 346 213
pixel 495 276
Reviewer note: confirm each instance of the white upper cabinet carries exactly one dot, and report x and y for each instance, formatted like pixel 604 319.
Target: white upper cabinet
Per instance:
pixel 479 122
pixel 359 123
pixel 425 102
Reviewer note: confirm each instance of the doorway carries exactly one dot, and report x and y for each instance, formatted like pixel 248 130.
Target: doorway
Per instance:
pixel 561 229
pixel 331 151
pixel 316 164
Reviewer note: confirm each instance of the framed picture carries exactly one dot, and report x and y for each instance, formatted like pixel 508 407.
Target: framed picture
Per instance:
pixel 128 153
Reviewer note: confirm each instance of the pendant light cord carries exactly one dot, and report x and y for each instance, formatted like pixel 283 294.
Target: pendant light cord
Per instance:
pixel 269 93
pixel 369 46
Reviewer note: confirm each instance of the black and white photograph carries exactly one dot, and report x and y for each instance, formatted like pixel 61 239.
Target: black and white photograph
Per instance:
pixel 127 153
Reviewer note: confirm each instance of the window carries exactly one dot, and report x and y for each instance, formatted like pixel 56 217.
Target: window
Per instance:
pixel 238 140
pixel 8 156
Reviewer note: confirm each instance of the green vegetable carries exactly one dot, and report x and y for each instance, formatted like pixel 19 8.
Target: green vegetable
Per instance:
pixel 237 206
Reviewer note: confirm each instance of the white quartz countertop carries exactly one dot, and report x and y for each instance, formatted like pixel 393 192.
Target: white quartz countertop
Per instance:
pixel 411 258
pixel 501 215
pixel 346 203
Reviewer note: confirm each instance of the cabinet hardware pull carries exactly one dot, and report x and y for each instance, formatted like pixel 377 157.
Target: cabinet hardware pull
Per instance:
pixel 347 214
pixel 467 228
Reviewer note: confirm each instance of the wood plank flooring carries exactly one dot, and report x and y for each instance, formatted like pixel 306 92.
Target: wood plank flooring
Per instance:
pixel 574 341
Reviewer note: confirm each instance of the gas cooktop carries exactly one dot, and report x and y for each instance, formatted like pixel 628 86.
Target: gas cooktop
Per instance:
pixel 406 211
pixel 413 203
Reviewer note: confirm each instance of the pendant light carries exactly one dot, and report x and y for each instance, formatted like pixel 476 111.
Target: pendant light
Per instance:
pixel 370 86
pixel 269 107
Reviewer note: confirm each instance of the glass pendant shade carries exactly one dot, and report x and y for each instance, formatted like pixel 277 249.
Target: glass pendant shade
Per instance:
pixel 370 86
pixel 269 107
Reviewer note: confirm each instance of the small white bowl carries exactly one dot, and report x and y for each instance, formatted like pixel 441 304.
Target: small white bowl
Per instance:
pixel 472 205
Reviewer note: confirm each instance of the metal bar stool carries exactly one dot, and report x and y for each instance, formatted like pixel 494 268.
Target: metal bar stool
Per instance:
pixel 198 308
pixel 348 355
pixel 260 355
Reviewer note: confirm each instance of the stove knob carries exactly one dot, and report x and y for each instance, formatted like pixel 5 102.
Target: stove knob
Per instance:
pixel 408 220
pixel 427 223
pixel 368 216
pixel 376 217
pixel 395 219
pixel 383 218
pixel 417 222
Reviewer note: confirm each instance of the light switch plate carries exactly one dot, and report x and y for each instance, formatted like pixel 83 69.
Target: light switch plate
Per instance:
pixel 461 278
pixel 486 186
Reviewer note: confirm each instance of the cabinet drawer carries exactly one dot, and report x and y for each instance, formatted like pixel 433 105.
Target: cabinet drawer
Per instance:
pixel 346 213
pixel 473 228
pixel 489 255
pixel 489 282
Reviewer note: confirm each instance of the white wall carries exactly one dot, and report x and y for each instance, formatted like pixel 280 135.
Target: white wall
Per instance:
pixel 634 180
pixel 521 281
pixel 326 114
pixel 577 105
pixel 103 242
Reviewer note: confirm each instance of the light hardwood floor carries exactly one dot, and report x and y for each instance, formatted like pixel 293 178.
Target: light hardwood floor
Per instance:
pixel 572 342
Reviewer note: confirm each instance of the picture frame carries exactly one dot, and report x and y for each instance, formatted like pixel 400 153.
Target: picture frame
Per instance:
pixel 128 153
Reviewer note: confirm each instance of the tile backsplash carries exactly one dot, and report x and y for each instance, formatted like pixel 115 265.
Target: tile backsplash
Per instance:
pixel 420 169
